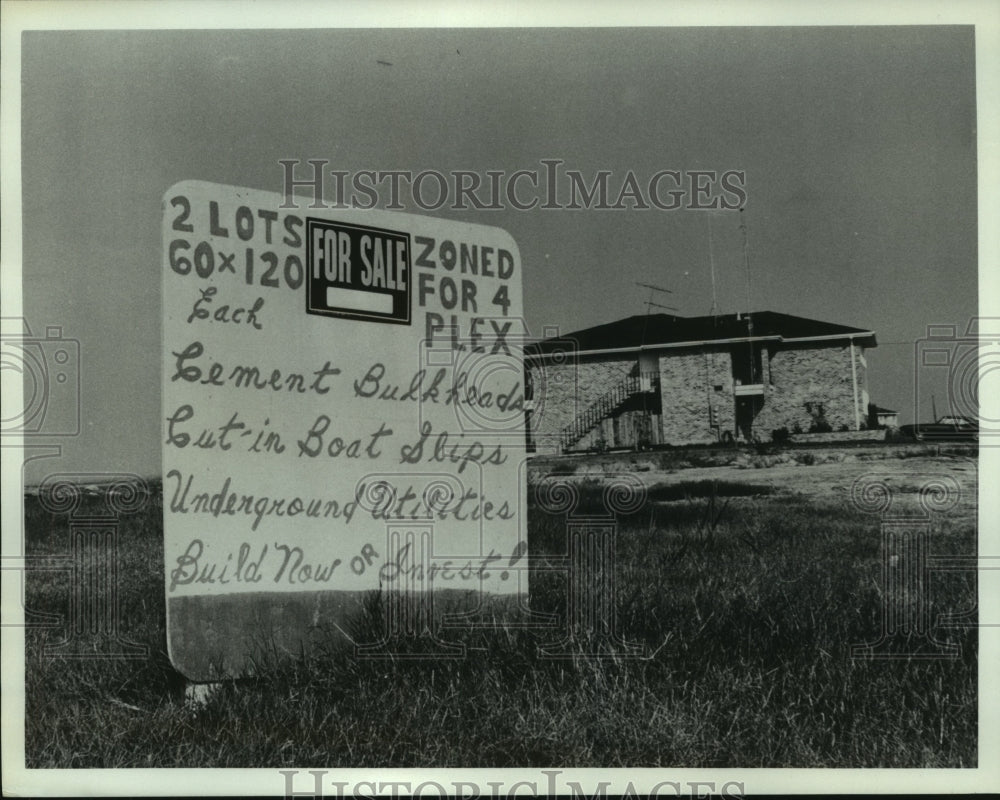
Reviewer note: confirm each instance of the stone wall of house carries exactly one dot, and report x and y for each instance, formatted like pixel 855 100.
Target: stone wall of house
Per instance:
pixel 696 389
pixel 624 429
pixel 798 375
pixel 563 391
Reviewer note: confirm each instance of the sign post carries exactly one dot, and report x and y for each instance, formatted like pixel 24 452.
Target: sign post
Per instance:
pixel 343 414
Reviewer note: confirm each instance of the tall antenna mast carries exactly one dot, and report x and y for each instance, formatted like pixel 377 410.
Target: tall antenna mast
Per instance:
pixel 711 267
pixel 746 265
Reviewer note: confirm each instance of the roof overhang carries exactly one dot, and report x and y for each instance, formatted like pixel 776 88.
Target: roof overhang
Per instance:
pixel 645 348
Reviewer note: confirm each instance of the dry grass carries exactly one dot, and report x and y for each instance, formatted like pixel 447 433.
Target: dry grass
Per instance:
pixel 748 601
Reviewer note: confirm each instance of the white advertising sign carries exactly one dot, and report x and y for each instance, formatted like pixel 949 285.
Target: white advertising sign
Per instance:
pixel 343 413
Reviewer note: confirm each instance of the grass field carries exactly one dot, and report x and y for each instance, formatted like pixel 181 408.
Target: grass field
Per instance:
pixel 748 597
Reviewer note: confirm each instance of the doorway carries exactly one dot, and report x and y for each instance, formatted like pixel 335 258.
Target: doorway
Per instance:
pixel 747 409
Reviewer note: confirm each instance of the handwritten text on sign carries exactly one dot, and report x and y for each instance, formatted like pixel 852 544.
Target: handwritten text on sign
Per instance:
pixel 329 374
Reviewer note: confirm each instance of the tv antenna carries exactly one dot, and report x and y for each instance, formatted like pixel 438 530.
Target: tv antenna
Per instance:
pixel 652 293
pixel 651 304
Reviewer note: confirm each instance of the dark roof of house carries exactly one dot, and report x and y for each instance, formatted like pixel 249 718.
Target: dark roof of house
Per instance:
pixel 667 329
pixel 880 410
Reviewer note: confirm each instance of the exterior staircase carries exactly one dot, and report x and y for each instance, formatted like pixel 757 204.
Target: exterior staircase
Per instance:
pixel 606 405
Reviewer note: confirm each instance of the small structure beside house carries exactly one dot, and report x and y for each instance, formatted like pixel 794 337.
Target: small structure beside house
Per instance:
pixel 882 417
pixel 661 379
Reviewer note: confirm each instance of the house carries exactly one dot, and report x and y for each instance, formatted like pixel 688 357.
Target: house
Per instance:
pixel 882 417
pixel 664 379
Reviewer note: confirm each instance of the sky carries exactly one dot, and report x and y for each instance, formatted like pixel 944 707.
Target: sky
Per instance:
pixel 858 145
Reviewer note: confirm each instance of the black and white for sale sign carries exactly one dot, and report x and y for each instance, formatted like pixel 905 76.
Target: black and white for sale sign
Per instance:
pixel 343 413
